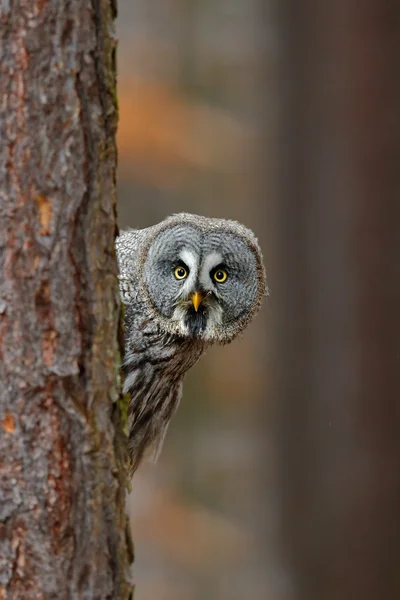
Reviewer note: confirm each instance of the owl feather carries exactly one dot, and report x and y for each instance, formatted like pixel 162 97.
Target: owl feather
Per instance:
pixel 186 283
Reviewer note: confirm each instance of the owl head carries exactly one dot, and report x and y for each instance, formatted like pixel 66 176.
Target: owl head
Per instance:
pixel 202 278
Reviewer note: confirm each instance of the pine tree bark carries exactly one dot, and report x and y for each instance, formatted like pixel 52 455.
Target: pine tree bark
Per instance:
pixel 62 520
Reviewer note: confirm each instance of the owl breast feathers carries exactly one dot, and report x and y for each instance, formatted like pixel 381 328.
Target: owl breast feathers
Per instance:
pixel 186 283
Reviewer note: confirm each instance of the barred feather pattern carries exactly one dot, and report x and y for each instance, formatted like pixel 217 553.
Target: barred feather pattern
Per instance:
pixel 155 364
pixel 165 335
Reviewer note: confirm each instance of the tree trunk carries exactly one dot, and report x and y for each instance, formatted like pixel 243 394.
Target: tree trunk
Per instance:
pixel 338 337
pixel 62 519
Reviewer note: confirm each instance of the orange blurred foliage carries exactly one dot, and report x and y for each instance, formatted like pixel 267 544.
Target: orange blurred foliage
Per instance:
pixel 162 133
pixel 192 536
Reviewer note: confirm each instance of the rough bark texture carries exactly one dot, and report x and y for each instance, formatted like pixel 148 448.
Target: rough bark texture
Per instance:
pixel 338 337
pixel 62 520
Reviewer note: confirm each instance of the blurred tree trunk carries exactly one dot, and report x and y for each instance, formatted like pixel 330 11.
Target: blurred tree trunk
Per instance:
pixel 62 520
pixel 338 335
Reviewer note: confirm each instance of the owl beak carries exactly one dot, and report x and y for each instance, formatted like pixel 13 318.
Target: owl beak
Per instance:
pixel 197 299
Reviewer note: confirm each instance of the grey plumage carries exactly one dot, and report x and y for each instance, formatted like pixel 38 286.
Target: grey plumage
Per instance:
pixel 186 283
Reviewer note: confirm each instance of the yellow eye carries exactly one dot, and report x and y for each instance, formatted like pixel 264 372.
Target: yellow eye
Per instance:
pixel 220 276
pixel 180 272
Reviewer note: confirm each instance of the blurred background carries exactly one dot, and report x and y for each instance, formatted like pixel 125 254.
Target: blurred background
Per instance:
pixel 280 475
pixel 191 138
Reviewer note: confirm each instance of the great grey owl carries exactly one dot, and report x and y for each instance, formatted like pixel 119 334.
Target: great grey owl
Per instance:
pixel 186 283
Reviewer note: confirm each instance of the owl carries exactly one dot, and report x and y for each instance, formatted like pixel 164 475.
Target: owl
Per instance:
pixel 186 283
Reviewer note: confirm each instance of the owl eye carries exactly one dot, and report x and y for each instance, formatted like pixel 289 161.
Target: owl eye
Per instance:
pixel 220 276
pixel 180 272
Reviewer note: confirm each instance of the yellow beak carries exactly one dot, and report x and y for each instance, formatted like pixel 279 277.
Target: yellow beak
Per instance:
pixel 197 299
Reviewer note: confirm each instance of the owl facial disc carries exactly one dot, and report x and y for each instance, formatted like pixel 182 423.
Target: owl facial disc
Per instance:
pixel 203 278
pixel 197 305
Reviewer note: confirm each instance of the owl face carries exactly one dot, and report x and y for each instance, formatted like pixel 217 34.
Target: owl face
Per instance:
pixel 203 277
